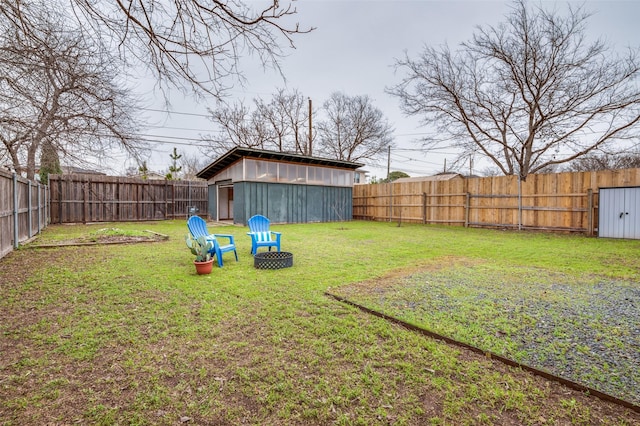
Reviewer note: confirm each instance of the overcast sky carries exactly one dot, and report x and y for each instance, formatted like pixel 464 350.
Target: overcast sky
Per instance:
pixel 353 49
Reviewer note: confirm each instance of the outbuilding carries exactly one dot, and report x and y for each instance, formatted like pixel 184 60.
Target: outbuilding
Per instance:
pixel 287 188
pixel 619 212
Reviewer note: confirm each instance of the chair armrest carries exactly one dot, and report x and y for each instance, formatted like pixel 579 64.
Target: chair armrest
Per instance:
pixel 230 237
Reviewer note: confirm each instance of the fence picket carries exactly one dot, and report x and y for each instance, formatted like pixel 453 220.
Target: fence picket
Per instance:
pixel 89 198
pixel 555 202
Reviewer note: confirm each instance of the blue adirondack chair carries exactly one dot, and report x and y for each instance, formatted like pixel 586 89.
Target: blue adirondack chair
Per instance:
pixel 198 228
pixel 260 234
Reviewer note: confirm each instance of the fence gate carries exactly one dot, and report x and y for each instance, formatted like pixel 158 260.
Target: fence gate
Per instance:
pixel 619 213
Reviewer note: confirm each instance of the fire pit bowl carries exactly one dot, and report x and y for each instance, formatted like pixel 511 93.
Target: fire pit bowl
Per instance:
pixel 273 260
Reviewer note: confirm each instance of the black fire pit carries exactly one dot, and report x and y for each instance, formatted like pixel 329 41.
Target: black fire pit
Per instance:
pixel 273 260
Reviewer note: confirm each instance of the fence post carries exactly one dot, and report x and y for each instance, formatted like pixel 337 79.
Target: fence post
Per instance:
pixel 173 201
pixel 29 211
pixel 390 202
pixel 166 199
pixel 519 202
pixel 85 196
pixel 428 199
pixel 59 198
pixel 47 205
pixel 189 197
pixel 467 207
pixel 39 207
pixel 15 210
pixel 424 208
pixel 590 212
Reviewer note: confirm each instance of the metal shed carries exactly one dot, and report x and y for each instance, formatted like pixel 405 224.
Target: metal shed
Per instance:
pixel 287 188
pixel 619 213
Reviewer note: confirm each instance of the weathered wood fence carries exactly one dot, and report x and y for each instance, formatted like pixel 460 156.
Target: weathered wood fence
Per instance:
pixel 96 198
pixel 23 210
pixel 555 202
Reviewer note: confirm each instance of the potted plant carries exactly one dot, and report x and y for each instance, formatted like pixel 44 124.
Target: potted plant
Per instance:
pixel 200 247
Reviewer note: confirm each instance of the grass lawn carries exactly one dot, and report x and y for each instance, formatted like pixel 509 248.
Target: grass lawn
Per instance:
pixel 129 334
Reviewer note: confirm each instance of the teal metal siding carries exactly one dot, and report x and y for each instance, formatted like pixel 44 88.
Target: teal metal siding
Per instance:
pixel 286 203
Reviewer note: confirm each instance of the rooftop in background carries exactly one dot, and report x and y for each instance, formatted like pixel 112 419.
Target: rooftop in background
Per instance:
pixel 438 177
pixel 238 153
pixel 72 170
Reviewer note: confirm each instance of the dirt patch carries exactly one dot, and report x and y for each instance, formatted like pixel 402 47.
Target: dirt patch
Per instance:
pixel 104 239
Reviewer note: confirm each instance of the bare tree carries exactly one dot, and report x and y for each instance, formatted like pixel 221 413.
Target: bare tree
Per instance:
pixel 287 116
pixel 353 129
pixel 528 94
pixel 238 126
pixel 200 43
pixel 191 165
pixel 275 125
pixel 58 92
pixel 605 162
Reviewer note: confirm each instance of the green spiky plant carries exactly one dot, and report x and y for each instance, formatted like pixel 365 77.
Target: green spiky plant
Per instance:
pixel 200 247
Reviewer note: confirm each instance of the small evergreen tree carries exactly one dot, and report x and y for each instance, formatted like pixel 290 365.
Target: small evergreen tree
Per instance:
pixel 143 170
pixel 49 162
pixel 174 169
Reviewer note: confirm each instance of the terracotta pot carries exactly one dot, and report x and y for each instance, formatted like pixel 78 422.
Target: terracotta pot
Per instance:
pixel 203 268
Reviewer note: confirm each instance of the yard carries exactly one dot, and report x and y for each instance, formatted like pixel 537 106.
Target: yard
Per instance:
pixel 129 334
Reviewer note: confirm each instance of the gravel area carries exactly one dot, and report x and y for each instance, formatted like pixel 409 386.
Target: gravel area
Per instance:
pixel 593 338
pixel 585 329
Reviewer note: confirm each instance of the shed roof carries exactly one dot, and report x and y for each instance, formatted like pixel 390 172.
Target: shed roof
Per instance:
pixel 239 152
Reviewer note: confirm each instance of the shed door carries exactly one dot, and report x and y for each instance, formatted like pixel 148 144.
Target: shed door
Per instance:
pixel 619 213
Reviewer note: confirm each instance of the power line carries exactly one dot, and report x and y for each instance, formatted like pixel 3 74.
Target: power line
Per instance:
pixel 426 150
pixel 193 114
pixel 182 128
pixel 407 159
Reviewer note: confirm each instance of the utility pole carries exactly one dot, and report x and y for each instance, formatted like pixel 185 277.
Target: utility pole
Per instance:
pixel 310 134
pixel 388 161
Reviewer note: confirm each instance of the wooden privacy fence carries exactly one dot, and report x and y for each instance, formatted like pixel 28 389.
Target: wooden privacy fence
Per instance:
pixel 97 198
pixel 23 210
pixel 556 202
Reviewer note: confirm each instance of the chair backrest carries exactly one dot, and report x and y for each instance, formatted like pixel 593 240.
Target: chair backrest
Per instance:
pixel 197 226
pixel 258 223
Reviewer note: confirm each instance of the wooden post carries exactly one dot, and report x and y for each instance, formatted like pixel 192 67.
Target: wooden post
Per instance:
pixel 16 211
pixel 166 199
pixel 39 210
pixel 59 198
pixel 426 205
pixel 390 202
pixel 467 206
pixel 138 187
pixel 84 201
pixel 172 201
pixel 519 203
pixel 424 208
pixel 118 200
pixel 29 210
pixel 590 230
